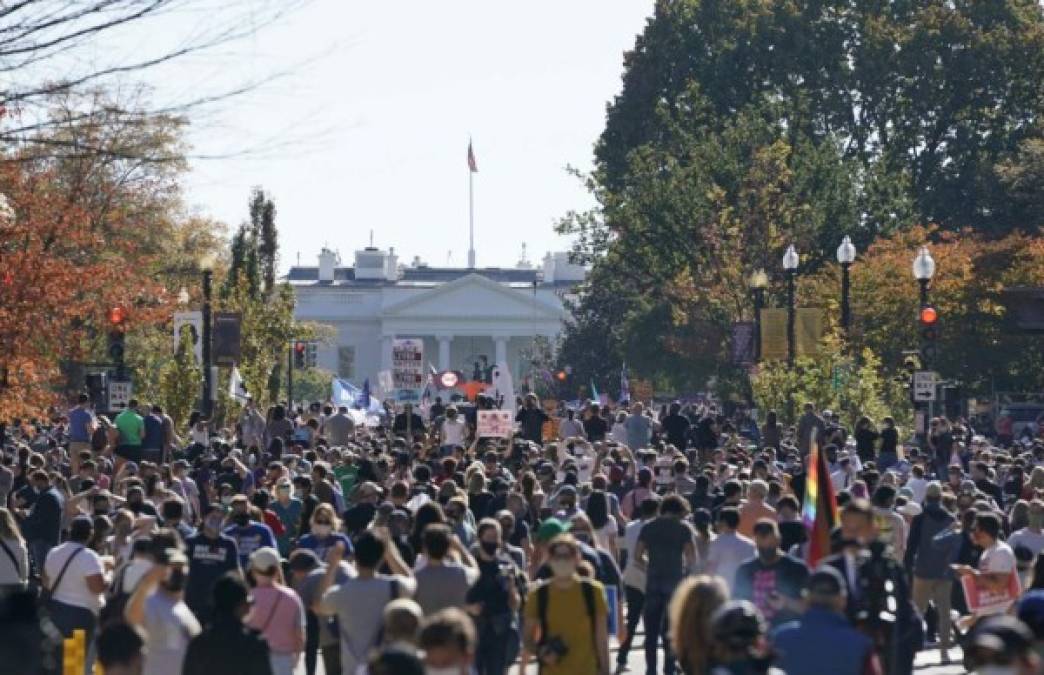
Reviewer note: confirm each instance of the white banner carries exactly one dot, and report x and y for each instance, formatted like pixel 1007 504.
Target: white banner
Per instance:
pixel 495 424
pixel 193 323
pixel 408 368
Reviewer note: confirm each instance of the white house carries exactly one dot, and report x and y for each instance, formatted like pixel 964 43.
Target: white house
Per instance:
pixel 464 315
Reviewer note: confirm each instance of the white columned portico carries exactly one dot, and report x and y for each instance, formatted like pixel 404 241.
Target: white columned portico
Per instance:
pixel 444 351
pixel 500 343
pixel 386 351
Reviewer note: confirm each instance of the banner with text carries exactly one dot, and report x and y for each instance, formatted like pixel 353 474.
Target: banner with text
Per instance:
pixel 408 374
pixel 495 424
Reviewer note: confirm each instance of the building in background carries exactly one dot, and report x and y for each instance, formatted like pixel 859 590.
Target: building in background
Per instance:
pixel 466 316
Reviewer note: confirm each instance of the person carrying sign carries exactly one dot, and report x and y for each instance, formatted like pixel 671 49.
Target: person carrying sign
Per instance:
pixel 990 588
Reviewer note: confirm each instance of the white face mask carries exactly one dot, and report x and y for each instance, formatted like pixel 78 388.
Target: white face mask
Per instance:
pixel 322 530
pixel 445 670
pixel 562 568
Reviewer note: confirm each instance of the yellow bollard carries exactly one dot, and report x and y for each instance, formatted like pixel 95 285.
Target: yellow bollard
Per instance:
pixel 74 653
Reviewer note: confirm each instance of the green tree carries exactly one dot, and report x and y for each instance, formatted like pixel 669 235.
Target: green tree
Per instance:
pixel 180 382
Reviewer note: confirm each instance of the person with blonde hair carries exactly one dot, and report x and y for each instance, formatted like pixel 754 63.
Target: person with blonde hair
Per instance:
pixel 14 555
pixel 325 532
pixel 689 615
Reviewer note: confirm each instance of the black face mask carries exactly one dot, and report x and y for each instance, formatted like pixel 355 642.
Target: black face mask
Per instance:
pixel 241 519
pixel 175 583
pixel 489 547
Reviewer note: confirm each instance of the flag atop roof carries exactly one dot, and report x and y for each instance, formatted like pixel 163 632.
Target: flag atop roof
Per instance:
pixel 472 165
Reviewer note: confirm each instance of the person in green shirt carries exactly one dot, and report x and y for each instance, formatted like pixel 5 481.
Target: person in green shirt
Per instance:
pixel 131 428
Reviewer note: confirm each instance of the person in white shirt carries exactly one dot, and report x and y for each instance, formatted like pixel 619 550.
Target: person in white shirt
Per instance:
pixel 997 561
pixel 75 577
pixel 729 549
pixel 1031 537
pixel 845 475
pixel 453 432
pixel 570 427
pixel 634 575
pixel 917 483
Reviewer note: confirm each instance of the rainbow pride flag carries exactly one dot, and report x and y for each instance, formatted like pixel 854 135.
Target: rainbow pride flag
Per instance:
pixel 819 512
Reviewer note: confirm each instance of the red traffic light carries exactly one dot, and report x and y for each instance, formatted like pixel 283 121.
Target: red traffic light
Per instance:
pixel 929 316
pixel 560 376
pixel 117 316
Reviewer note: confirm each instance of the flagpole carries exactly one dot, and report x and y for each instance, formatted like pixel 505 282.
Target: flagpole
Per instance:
pixel 471 217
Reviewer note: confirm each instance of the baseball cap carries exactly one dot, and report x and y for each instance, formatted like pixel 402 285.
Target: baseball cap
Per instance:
pixel 303 560
pixel 265 558
pixel 551 528
pixel 825 581
pixel 1030 610
pixel 1002 634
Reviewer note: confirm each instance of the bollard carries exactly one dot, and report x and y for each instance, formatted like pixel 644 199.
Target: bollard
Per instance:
pixel 74 653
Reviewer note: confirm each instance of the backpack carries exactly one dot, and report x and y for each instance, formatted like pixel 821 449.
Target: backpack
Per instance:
pixel 544 594
pixel 116 602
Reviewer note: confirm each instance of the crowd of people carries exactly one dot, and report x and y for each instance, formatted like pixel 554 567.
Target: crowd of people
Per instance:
pixel 291 537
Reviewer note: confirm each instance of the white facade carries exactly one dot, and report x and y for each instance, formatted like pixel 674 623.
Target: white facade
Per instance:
pixel 464 316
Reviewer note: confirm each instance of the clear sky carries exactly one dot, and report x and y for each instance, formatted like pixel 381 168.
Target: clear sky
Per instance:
pixel 370 128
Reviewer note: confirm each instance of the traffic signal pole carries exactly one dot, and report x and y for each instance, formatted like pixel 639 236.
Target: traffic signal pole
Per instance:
pixel 290 376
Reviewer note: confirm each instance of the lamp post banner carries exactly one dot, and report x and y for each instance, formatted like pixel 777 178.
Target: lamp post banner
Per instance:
pixel 809 331
pixel 743 343
pixel 773 334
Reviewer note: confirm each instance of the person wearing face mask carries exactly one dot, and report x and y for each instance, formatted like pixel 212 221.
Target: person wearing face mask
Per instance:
pixel 287 509
pixel 325 533
pixel 42 525
pixel 249 534
pixel 772 580
pixel 278 614
pixel 157 606
pixel 565 617
pixel 493 601
pixel 211 555
pixel 309 502
pixel 448 641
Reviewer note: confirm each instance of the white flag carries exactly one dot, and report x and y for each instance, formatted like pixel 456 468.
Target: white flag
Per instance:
pixel 236 387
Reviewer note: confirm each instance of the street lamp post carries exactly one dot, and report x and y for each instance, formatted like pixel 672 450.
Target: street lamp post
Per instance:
pixel 790 265
pixel 758 281
pixel 846 254
pixel 923 271
pixel 206 264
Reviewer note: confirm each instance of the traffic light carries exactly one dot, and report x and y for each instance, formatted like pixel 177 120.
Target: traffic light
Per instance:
pixel 929 320
pixel 311 357
pixel 299 355
pixel 117 318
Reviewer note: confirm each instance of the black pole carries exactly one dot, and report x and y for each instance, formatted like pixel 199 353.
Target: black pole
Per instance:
pixel 208 385
pixel 846 308
pixel 290 377
pixel 791 317
pixel 759 300
pixel 926 429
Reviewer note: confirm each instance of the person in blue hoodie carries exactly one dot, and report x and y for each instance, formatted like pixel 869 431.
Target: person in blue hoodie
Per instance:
pixel 840 649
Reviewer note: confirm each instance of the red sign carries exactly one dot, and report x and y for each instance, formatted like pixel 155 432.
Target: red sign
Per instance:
pixel 983 602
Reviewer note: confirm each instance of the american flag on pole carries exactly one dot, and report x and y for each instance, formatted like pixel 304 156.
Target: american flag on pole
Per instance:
pixel 471 159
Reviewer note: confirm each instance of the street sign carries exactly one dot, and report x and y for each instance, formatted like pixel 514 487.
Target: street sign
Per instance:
pixel 119 394
pixel 924 382
pixel 408 368
pixel 193 323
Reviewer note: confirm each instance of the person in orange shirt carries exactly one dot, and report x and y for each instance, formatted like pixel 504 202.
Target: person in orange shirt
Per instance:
pixel 755 508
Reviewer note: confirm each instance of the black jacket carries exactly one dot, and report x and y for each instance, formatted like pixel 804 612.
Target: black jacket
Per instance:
pixel 44 522
pixel 227 647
